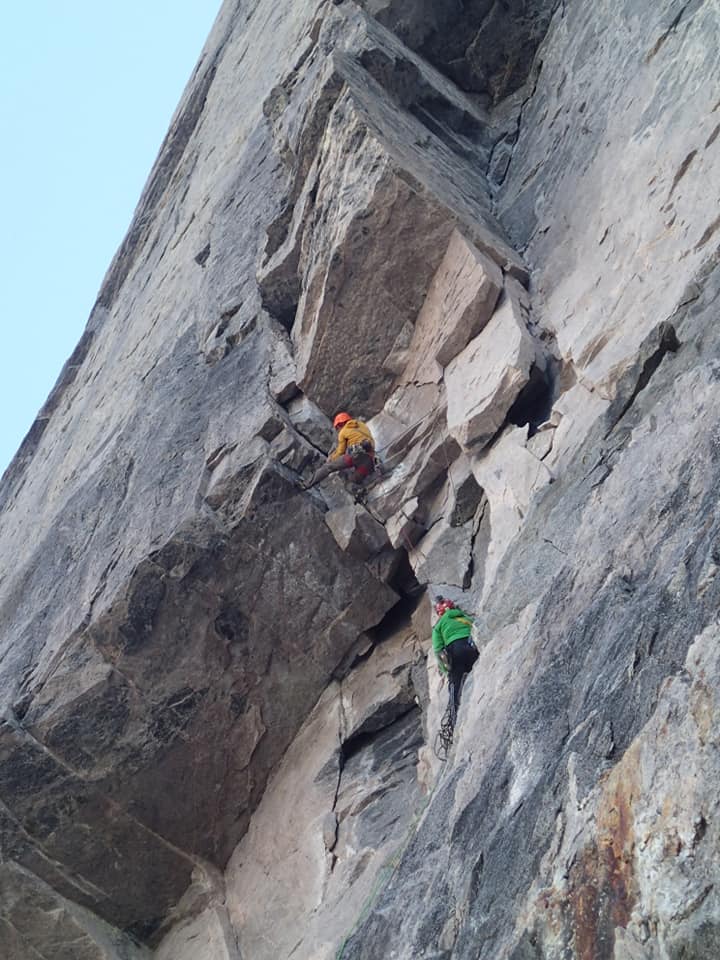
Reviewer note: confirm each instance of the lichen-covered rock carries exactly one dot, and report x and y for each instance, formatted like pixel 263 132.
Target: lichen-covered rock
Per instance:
pixel 620 862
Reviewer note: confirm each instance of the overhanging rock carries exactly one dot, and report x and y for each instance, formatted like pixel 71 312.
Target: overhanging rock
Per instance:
pixel 356 531
pixel 201 671
pixel 33 915
pixel 341 800
pixel 483 381
pixel 460 301
pixel 373 205
pixel 189 659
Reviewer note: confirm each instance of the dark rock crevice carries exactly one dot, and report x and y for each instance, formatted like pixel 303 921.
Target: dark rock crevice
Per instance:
pixel 396 618
pixel 507 121
pixel 462 128
pixel 376 727
pixel 486 47
pixel 534 402
pixel 686 11
pixel 662 342
pixel 473 574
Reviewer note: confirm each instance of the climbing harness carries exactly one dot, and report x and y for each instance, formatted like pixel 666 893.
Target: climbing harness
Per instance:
pixel 361 457
pixel 356 449
pixel 378 468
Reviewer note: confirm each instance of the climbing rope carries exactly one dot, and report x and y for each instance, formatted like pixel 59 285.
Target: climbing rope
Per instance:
pixel 444 736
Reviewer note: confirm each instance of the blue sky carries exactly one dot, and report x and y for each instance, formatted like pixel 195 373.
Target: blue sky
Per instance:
pixel 87 90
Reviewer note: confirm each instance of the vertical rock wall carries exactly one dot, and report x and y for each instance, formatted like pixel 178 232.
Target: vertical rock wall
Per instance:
pixel 555 832
pixel 491 230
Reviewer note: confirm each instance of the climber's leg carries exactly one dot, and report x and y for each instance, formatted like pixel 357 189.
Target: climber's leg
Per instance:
pixel 332 466
pixel 462 655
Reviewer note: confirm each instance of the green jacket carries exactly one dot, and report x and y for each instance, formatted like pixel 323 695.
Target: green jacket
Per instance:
pixel 454 624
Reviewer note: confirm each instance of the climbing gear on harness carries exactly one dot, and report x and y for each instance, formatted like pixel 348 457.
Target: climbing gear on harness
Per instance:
pixel 356 449
pixel 340 419
pixel 361 456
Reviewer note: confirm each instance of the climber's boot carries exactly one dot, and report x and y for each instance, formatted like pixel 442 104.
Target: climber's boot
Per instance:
pixel 359 493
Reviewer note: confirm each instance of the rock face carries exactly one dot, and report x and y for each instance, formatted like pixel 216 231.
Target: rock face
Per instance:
pixel 485 47
pixel 485 379
pixel 458 305
pixel 492 231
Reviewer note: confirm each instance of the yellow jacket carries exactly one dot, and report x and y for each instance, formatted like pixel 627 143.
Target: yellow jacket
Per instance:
pixel 352 432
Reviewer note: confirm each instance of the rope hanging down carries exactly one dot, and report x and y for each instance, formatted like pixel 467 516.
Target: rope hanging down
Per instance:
pixel 444 736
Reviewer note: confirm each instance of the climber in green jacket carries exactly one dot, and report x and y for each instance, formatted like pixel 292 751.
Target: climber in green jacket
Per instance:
pixel 453 646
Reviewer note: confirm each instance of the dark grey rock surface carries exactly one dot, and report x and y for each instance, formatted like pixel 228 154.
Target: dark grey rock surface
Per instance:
pixel 486 47
pixel 208 684
pixel 611 625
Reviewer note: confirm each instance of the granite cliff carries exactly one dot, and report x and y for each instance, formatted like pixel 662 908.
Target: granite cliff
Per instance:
pixel 491 229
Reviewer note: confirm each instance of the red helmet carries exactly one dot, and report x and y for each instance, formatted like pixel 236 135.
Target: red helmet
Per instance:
pixel 340 419
pixel 441 605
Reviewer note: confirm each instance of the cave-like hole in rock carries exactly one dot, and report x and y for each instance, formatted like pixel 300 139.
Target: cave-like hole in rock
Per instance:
pixel 286 316
pixel 448 122
pixel 396 618
pixel 534 403
pixel 280 296
pixel 282 304
pixel 404 581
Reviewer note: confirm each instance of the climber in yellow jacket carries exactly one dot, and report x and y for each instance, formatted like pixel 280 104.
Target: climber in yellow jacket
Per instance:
pixel 355 451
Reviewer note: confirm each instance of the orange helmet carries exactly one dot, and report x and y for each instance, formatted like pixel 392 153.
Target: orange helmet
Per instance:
pixel 340 419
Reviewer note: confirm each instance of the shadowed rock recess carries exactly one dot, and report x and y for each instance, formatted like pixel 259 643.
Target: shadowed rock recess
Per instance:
pixel 491 229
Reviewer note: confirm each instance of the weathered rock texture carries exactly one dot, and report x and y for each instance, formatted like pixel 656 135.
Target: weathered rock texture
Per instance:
pixel 492 230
